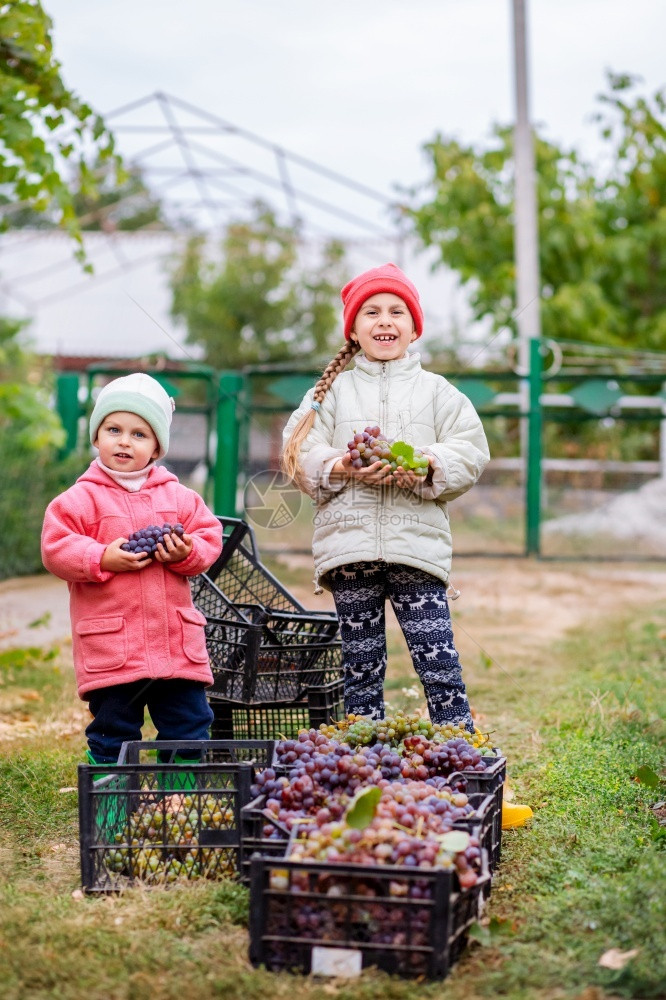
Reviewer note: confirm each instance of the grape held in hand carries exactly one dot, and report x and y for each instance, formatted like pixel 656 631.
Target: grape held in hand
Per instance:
pixel 370 445
pixel 147 539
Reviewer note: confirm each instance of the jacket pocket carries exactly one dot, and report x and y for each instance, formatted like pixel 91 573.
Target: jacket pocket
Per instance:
pixel 103 643
pixel 194 639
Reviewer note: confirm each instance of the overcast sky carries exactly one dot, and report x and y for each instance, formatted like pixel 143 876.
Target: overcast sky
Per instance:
pixel 355 85
pixel 360 85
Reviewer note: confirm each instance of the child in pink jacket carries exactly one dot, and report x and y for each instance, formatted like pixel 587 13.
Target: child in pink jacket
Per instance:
pixel 138 641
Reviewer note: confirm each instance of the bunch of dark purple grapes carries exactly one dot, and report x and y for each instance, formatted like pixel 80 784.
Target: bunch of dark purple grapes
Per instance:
pixel 147 539
pixel 267 782
pixel 309 742
pixel 312 742
pixel 322 785
pixel 454 755
pixel 422 758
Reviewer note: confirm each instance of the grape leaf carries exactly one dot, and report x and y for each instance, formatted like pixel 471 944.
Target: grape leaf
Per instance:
pixel 647 776
pixel 362 808
pixel 400 449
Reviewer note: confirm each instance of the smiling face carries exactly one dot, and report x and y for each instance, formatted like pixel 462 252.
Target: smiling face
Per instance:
pixel 126 442
pixel 383 327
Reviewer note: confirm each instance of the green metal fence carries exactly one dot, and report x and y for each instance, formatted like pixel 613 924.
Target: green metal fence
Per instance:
pixel 569 445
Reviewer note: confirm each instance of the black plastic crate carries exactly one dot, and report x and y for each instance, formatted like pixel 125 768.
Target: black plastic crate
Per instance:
pixel 262 834
pixel 410 922
pixel 319 705
pixel 273 659
pixel 480 823
pixel 260 753
pixel 153 823
pixel 241 576
pixel 491 782
pixel 263 644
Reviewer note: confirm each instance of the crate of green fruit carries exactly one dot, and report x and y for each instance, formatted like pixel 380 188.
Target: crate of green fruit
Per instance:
pixel 155 822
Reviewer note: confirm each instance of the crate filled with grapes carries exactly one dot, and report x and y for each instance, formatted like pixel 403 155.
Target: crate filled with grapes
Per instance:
pixel 264 646
pixel 421 750
pixel 168 811
pixel 320 784
pixel 444 745
pixel 266 827
pixel 398 898
pixel 371 445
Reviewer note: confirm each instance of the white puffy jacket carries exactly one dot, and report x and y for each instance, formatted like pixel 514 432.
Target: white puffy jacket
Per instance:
pixel 356 522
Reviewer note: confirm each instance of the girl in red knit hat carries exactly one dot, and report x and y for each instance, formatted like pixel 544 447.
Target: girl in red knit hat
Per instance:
pixel 380 533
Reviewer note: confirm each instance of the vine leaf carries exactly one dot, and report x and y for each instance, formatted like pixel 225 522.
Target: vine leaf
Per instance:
pixel 362 808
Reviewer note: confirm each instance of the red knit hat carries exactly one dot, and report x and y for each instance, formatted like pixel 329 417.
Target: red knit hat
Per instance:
pixel 387 278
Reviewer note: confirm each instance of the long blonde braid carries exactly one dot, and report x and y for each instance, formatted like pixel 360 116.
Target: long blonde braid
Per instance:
pixel 290 459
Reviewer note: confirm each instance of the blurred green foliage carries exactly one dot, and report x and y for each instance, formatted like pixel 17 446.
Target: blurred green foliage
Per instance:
pixel 254 300
pixel 602 229
pixel 46 131
pixel 30 438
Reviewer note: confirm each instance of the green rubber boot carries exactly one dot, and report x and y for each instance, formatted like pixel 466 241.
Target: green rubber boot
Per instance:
pixel 178 781
pixel 110 809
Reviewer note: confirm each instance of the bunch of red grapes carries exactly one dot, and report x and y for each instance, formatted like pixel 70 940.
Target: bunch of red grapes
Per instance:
pixel 370 445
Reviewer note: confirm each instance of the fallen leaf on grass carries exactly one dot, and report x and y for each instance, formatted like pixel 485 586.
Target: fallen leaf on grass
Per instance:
pixel 31 695
pixel 488 933
pixel 9 633
pixel 78 894
pixel 647 776
pixel 616 959
pixel 68 788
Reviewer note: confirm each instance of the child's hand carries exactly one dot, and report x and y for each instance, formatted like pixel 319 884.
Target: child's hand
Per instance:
pixel 375 474
pixel 408 480
pixel 174 549
pixel 116 560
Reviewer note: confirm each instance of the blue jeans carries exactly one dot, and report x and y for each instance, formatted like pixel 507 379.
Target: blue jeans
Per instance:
pixel 178 708
pixel 419 600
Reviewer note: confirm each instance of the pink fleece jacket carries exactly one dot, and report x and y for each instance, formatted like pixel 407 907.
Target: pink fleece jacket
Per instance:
pixel 130 626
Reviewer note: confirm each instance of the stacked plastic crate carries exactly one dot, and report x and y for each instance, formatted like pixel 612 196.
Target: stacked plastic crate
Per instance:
pixel 277 667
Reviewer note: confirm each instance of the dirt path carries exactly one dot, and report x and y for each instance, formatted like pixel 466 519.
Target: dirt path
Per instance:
pixel 34 611
pixel 520 601
pixel 504 602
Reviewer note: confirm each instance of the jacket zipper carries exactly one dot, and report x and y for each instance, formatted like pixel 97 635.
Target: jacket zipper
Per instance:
pixel 383 396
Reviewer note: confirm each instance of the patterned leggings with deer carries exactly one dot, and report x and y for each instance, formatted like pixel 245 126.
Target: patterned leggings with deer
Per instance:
pixel 422 609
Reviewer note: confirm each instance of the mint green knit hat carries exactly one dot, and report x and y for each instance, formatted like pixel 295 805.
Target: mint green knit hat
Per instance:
pixel 137 393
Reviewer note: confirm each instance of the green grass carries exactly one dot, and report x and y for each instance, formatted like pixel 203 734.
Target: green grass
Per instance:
pixel 587 875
